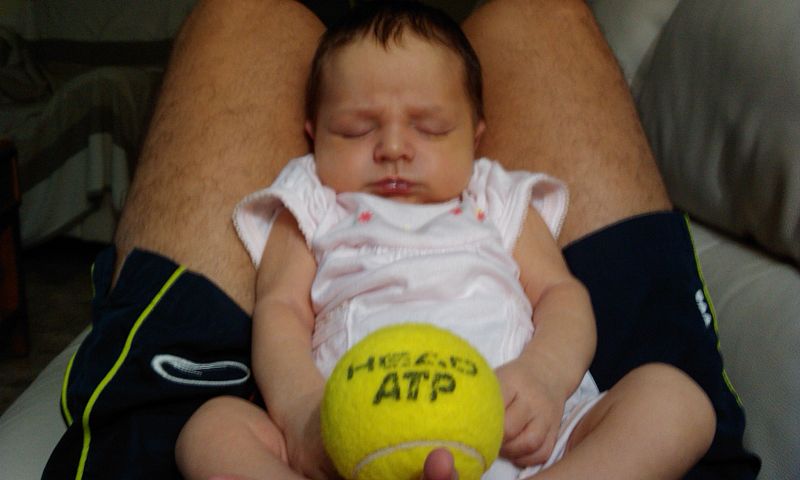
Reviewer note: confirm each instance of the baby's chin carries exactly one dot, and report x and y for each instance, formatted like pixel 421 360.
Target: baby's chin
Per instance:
pixel 415 195
pixel 408 199
pixel 417 199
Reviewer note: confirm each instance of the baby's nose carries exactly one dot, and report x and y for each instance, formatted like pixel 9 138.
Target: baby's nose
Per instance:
pixel 394 145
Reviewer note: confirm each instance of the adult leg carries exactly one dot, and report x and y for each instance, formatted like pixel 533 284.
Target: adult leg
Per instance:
pixel 557 102
pixel 229 116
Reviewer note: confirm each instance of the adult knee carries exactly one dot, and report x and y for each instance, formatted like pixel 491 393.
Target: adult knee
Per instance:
pixel 499 12
pixel 226 7
pixel 244 13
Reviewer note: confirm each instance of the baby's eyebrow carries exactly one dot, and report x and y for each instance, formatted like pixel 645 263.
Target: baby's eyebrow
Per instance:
pixel 427 111
pixel 415 112
pixel 355 112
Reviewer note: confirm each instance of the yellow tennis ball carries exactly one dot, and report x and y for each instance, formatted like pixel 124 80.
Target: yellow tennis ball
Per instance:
pixel 403 391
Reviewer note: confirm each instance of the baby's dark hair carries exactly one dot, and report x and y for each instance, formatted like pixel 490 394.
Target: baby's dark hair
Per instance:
pixel 386 21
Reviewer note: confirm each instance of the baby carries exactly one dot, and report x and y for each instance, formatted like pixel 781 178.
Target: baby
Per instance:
pixel 392 220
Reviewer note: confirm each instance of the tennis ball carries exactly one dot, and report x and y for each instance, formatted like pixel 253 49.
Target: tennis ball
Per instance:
pixel 403 391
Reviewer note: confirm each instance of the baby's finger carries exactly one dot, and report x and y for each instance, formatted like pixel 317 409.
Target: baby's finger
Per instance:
pixel 536 458
pixel 514 422
pixel 531 447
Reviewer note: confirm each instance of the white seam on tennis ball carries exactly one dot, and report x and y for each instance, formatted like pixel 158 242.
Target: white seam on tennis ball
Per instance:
pixel 418 443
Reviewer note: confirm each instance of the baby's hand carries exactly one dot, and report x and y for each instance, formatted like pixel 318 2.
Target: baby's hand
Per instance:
pixel 305 451
pixel 532 416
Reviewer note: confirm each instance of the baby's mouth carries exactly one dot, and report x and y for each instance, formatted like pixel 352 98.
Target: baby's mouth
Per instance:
pixel 393 186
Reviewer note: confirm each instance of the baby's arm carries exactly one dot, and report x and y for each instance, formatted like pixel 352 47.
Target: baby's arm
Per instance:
pixel 551 366
pixel 283 322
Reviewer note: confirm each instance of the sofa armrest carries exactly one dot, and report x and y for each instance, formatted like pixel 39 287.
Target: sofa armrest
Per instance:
pixel 32 425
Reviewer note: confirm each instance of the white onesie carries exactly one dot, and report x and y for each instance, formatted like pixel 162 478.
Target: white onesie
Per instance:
pixel 381 262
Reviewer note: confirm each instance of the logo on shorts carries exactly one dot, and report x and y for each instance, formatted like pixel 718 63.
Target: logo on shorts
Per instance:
pixel 213 374
pixel 703 307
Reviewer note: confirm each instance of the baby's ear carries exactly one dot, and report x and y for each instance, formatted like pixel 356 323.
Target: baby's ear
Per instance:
pixel 479 129
pixel 309 127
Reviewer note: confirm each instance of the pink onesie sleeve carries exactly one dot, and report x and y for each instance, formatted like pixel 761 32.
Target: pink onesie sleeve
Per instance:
pixel 506 196
pixel 298 189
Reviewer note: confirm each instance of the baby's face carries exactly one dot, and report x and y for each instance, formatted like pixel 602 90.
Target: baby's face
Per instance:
pixel 396 123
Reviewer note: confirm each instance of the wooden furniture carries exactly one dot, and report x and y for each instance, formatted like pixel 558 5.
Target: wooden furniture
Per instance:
pixel 14 338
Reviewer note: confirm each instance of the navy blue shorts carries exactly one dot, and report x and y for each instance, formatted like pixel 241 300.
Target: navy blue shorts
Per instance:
pixel 651 305
pixel 165 340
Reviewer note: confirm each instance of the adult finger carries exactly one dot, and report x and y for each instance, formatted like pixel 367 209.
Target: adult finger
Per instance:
pixel 439 465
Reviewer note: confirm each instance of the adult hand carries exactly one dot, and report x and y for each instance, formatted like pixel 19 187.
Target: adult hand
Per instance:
pixel 306 453
pixel 439 466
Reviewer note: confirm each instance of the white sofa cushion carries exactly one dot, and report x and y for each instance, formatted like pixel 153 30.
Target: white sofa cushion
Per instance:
pixel 721 105
pixel 757 302
pixel 631 28
pixel 32 426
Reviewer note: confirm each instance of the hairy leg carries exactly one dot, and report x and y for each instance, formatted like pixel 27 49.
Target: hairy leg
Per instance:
pixel 232 437
pixel 229 117
pixel 556 101
pixel 654 424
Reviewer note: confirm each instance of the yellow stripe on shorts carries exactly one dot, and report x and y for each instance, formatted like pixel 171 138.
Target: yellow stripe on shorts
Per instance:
pixel 87 434
pixel 711 308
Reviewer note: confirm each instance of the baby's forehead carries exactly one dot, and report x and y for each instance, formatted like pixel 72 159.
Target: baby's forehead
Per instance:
pixel 401 40
pixel 418 44
pixel 356 60
pixel 339 53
